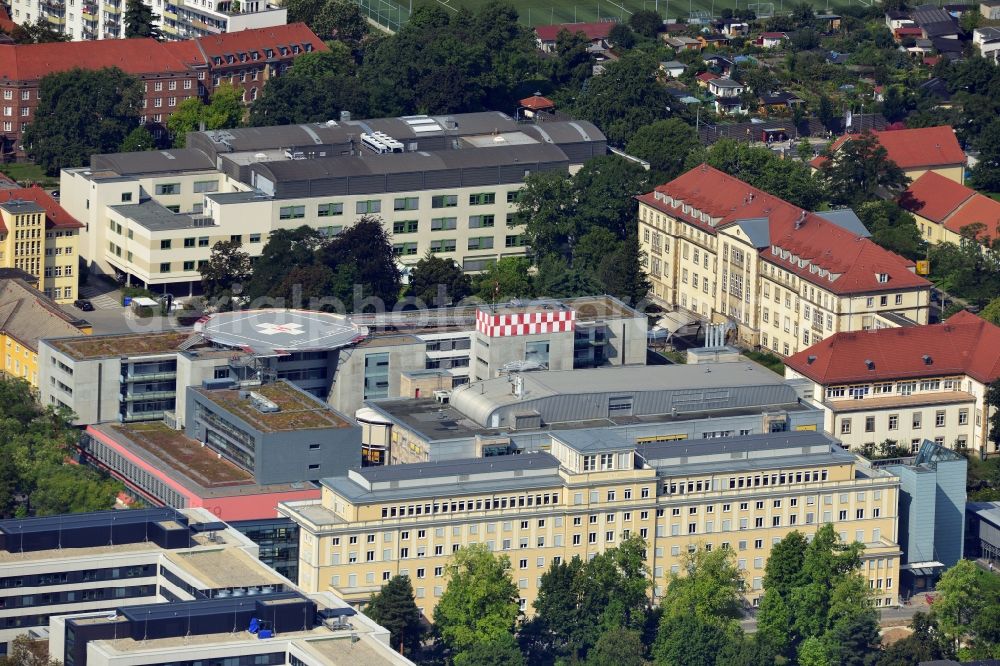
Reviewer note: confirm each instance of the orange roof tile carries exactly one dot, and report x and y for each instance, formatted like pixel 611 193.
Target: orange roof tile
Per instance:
pixel 979 209
pixel 599 30
pixel 56 216
pixel 256 39
pixel 6 24
pixel 964 344
pixel 30 62
pixel 934 197
pixel 924 147
pixel 819 242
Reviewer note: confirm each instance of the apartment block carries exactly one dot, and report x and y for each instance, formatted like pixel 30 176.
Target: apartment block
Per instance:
pixel 26 316
pixel 92 20
pixel 107 588
pixel 780 277
pixel 169 72
pixel 593 489
pixel 517 412
pixel 443 184
pixel 906 384
pixel 39 237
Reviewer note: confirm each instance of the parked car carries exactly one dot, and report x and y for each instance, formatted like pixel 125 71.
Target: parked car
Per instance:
pixel 83 304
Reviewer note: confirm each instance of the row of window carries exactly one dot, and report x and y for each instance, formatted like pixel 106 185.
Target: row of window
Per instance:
pixel 862 391
pixel 917 420
pixel 488 504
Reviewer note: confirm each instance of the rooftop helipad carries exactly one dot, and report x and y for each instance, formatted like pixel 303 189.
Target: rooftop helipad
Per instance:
pixel 281 331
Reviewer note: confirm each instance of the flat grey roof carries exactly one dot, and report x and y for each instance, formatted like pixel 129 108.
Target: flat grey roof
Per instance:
pixel 271 331
pixel 152 161
pixel 370 164
pixel 430 470
pixel 154 216
pixel 988 511
pixel 18 207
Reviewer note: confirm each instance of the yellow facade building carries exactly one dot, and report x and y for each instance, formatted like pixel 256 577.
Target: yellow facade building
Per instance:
pixel 948 212
pixel 591 490
pixel 40 238
pixel 718 249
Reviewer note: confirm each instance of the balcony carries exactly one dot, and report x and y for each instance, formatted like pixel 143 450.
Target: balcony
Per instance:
pixel 56 20
pixel 129 396
pixel 167 14
pixel 112 9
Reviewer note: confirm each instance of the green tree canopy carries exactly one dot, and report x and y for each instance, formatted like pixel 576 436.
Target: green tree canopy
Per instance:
pixel 140 21
pixel 502 651
pixel 859 170
pixel 618 647
pixel 366 248
pixel 480 603
pixel 223 111
pixel 39 32
pixel 285 251
pixel 80 113
pixel 986 173
pixel 665 144
pixel 625 97
pixel 226 273
pixel 341 19
pixel 506 279
pixel 395 608
pixel 963 593
pixel 186 118
pixel 438 281
pixel 138 140
pixel 924 644
pixel 892 227
pixel 646 22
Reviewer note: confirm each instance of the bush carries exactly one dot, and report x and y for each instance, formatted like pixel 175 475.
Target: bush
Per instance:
pixel 769 361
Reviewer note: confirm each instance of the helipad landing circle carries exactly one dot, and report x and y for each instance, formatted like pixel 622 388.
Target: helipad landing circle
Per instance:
pixel 280 331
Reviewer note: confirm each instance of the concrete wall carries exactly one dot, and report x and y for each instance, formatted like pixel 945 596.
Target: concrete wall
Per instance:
pixel 347 392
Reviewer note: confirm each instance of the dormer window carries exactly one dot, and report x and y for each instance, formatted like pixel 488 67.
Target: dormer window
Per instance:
pixel 882 277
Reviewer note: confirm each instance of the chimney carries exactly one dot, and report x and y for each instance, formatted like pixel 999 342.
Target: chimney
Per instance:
pixel 810 359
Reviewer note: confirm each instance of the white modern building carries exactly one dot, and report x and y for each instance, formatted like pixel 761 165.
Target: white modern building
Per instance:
pixel 176 19
pixel 445 185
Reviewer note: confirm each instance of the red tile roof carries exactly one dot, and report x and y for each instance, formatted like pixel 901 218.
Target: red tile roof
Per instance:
pixel 934 197
pixel 921 148
pixel 817 242
pixel 6 24
pixel 30 62
pixel 964 344
pixel 548 33
pixel 247 41
pixel 773 35
pixel 187 51
pixel 945 202
pixel 538 103
pixel 56 216
pixel 908 32
pixel 707 76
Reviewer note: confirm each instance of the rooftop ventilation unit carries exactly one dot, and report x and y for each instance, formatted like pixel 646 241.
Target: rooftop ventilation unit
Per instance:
pixel 263 404
pixel 380 142
pixel 442 396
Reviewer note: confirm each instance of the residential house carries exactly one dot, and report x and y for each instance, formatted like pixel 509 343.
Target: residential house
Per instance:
pixel 733 27
pixel 990 9
pixel 682 43
pixel 718 249
pixel 935 22
pixel 906 384
pixel 713 41
pixel 917 151
pixel 988 40
pixel 722 64
pixel 946 211
pixel 772 40
pixel 828 22
pixel 672 68
pixel 779 102
pixel 728 96
pixel 907 32
pixel 706 78
pixel 896 19
pixel 596 33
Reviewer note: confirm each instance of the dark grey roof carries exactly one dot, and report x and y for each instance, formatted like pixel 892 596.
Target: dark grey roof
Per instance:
pixel 154 216
pixel 946 45
pixel 152 161
pixel 372 164
pixel 847 219
pixel 990 33
pixel 934 21
pixel 19 207
pixel 725 83
pixel 758 229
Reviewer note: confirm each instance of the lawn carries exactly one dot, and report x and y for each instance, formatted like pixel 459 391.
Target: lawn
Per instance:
pixel 27 173
pixel 542 12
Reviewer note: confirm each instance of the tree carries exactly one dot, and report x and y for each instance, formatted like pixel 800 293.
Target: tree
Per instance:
pixel 562 628
pixel 991 312
pixel 621 273
pixel 224 109
pixel 572 63
pixel 39 32
pixel 959 600
pixel 26 651
pixel 437 281
pixel 814 652
pixel 859 170
pixel 366 248
pixel 986 173
pixel 305 98
pixel 140 21
pixel 480 603
pixel 618 647
pixel 547 205
pixel 557 279
pixel 80 113
pixel 665 144
pixel 341 19
pixel 73 488
pixel 646 22
pixel 139 139
pixel 710 588
pixel 395 608
pixel 621 36
pixel 285 251
pixel 688 640
pixel 507 278
pixel 303 11
pixel 625 97
pixel 892 227
pixel 924 644
pixel 186 118
pixel 605 190
pixel 826 114
pixel 226 272
pixel 502 651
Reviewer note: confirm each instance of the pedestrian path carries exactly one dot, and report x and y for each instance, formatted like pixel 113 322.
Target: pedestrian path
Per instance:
pixel 100 299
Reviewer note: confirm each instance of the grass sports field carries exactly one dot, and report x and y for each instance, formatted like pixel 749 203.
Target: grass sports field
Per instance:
pixel 542 12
